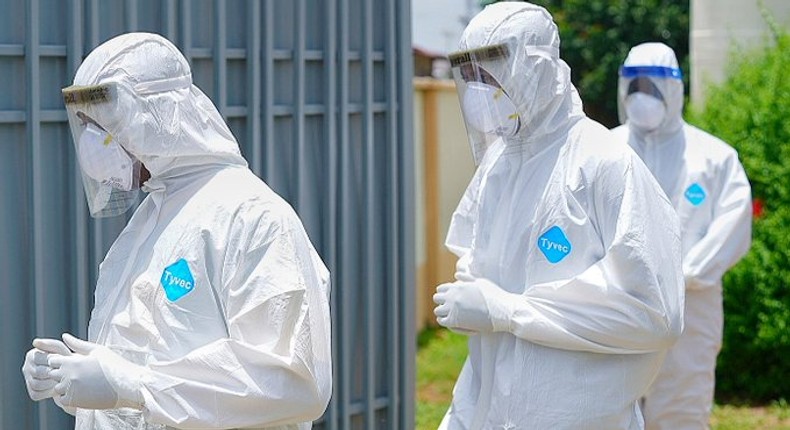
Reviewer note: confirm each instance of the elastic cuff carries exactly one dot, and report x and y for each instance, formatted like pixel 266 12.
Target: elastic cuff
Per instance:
pixel 501 311
pixel 130 390
pixel 71 410
pixel 501 325
pixel 690 283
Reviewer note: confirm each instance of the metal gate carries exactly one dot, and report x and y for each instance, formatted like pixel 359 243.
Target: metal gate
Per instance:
pixel 318 94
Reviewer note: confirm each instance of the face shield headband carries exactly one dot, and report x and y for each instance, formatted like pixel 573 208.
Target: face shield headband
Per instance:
pixel 629 72
pixel 489 112
pixel 110 175
pixel 642 101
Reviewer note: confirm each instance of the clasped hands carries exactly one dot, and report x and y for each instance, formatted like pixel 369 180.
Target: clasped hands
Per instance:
pixel 79 374
pixel 473 305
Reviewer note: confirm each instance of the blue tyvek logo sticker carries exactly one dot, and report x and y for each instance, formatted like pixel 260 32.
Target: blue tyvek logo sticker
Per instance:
pixel 554 245
pixel 695 194
pixel 177 280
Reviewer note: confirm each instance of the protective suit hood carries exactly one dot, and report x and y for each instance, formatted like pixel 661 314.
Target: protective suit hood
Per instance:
pixel 159 116
pixel 544 96
pixel 659 56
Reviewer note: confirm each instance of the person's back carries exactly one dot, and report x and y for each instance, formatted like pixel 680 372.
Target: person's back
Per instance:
pixel 708 188
pixel 570 292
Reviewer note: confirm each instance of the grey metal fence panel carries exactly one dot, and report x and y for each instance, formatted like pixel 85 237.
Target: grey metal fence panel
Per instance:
pixel 318 93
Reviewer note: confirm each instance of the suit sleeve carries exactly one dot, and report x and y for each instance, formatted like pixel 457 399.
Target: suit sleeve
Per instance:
pixel 631 300
pixel 729 235
pixel 274 368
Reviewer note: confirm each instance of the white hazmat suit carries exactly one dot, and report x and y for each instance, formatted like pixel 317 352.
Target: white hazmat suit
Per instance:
pixel 211 307
pixel 711 194
pixel 569 288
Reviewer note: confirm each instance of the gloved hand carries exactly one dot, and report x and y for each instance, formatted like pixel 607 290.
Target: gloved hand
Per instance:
pixel 36 367
pixel 94 377
pixel 476 305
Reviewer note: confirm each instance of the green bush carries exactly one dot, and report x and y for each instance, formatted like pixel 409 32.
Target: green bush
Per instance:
pixel 751 111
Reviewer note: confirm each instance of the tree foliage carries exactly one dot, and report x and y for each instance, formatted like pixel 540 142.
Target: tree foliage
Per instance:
pixel 751 111
pixel 596 36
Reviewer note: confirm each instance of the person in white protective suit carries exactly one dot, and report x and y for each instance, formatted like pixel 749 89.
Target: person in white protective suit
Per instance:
pixel 569 289
pixel 211 307
pixel 710 192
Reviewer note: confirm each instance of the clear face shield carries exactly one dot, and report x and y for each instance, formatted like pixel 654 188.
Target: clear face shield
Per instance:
pixel 489 112
pixel 642 95
pixel 110 175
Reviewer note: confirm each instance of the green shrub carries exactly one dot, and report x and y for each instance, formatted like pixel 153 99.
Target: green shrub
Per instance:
pixel 751 111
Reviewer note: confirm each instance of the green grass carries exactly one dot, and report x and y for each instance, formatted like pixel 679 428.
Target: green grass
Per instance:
pixel 439 360
pixel 740 417
pixel 442 353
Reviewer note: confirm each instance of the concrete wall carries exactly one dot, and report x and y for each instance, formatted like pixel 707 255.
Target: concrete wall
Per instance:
pixel 719 25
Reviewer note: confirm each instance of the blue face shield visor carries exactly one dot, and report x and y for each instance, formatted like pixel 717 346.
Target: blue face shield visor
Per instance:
pixel 630 72
pixel 639 78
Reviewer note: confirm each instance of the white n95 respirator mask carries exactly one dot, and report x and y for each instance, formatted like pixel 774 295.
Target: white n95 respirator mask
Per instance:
pixel 489 110
pixel 104 160
pixel 645 111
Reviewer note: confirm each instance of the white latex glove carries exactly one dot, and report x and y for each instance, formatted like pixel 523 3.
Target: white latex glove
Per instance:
pixel 476 305
pixel 36 367
pixel 94 377
pixel 462 274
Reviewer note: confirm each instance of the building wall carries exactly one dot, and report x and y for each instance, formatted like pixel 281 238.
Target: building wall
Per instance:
pixel 719 27
pixel 443 169
pixel 318 94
